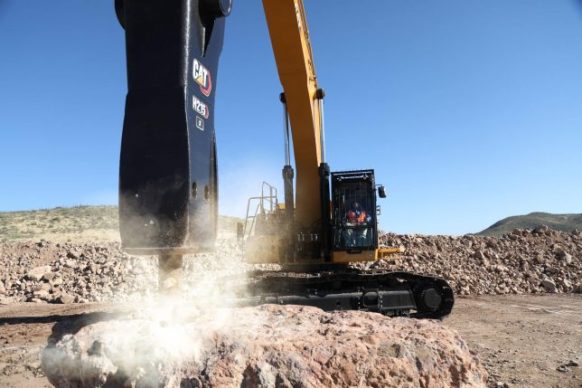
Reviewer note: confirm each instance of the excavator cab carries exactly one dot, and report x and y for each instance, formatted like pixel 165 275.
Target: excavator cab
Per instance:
pixel 354 224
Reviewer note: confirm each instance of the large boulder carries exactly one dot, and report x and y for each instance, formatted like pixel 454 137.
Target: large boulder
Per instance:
pixel 268 346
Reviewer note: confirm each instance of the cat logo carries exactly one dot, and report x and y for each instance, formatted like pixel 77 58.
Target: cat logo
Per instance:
pixel 202 77
pixel 200 107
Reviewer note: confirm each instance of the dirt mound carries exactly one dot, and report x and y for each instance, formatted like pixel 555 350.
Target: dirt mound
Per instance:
pixel 524 261
pixel 266 346
pixel 48 272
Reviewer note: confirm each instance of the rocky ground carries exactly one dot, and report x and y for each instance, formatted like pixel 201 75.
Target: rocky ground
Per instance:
pixel 48 272
pixel 539 261
pixel 524 261
pixel 529 261
pixel 268 346
pixel 522 340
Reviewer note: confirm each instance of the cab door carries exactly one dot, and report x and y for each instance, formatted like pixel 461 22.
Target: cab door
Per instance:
pixel 354 222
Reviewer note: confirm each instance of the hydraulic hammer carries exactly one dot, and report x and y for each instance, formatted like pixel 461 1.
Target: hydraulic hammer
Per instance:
pixel 168 183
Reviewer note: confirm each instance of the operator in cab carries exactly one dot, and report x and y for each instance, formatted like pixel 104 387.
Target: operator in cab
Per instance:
pixel 356 216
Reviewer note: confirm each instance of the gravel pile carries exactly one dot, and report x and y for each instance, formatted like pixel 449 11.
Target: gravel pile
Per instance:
pixel 523 261
pixel 46 272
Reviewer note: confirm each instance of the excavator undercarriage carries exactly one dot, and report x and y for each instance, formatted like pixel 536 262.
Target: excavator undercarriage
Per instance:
pixel 389 293
pixel 168 190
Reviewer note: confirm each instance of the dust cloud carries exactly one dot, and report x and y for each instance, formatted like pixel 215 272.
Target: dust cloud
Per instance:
pixel 238 183
pixel 157 333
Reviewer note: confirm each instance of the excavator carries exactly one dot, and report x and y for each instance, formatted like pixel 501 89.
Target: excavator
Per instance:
pixel 168 186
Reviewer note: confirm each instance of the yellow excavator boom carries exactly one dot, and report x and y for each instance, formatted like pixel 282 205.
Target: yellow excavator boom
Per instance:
pixel 292 48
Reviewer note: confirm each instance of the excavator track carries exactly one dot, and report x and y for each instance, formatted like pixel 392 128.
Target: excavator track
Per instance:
pixel 389 293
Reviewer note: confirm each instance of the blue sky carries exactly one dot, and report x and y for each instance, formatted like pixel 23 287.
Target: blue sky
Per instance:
pixel 469 111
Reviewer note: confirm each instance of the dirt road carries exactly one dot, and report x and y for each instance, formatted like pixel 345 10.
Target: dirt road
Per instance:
pixel 523 340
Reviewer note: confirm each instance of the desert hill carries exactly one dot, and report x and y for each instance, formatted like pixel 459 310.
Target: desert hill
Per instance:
pixel 80 224
pixel 560 222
